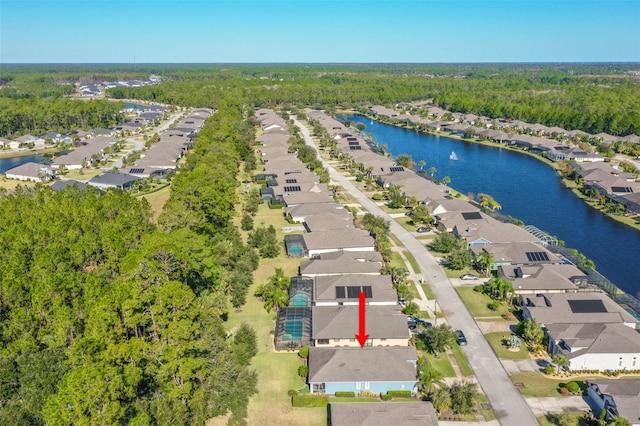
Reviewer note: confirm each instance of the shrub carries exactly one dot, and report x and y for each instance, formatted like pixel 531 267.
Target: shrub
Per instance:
pixel 366 393
pixel 563 391
pixel 400 393
pixel 292 392
pixel 345 394
pixel 549 370
pixel 385 397
pixel 377 197
pixel 310 400
pixel 494 306
pixel 303 370
pixel 572 387
pixel 304 352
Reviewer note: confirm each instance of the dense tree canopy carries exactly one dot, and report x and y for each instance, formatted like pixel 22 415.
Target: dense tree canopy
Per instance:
pixel 106 319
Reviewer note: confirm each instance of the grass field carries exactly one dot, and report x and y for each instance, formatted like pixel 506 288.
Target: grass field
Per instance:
pixel 565 419
pixel 497 340
pixel 477 303
pixel 13 183
pixel 412 262
pixel 442 364
pixel 465 368
pixel 157 200
pixel 277 372
pixel 86 174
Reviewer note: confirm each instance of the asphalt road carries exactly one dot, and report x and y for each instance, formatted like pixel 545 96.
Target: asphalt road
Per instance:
pixel 508 404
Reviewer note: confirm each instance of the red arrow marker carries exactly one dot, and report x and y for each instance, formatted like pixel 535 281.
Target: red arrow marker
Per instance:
pixel 361 336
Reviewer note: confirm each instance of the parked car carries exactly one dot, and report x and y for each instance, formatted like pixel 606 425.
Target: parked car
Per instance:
pixel 423 229
pixel 413 322
pixel 460 338
pixel 468 277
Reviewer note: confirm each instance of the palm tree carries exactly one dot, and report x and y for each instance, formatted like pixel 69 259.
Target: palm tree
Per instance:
pixel 429 379
pixel 560 361
pixel 432 171
pixel 484 260
pixel 422 163
pixel 446 180
pixel 441 400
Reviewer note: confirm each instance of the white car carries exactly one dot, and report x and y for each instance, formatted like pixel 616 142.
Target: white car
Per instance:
pixel 468 277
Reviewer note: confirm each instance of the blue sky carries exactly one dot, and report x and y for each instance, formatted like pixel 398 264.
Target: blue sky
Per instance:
pixel 88 31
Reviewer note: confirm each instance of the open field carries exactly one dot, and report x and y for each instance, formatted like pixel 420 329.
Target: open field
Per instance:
pixel 157 200
pixel 9 184
pixel 477 304
pixel 277 372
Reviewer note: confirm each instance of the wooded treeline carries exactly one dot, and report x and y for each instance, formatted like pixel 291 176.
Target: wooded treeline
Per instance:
pixel 106 318
pixel 551 96
pixel 591 97
pixel 38 116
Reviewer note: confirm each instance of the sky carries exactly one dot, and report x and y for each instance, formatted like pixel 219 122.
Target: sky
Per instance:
pixel 319 31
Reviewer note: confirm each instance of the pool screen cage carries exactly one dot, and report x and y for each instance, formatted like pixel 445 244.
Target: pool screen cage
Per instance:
pixel 293 328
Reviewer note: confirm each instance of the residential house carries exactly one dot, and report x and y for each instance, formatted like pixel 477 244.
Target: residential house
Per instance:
pixel 328 221
pixel 543 278
pixel 618 397
pixel 109 180
pixel 333 290
pixel 575 308
pixel 343 263
pixel 419 413
pixel 595 346
pixel 334 326
pixel 33 172
pixel 348 239
pixel 373 369
pixel 517 253
pixel 301 212
pixel 30 139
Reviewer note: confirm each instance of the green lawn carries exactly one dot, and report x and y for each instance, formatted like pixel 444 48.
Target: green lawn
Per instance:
pixel 497 341
pixel 412 262
pixel 427 291
pixel 157 200
pixel 442 364
pixel 462 361
pixel 397 260
pixel 538 385
pixel 277 372
pixel 477 303
pixel 564 419
pixel 82 174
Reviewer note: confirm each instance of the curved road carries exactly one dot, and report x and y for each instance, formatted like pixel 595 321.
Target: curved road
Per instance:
pixel 507 403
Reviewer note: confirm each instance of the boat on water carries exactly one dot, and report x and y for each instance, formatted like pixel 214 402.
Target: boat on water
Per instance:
pixel 453 156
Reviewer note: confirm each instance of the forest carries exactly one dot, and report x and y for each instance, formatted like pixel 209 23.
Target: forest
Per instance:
pixel 590 97
pixel 106 318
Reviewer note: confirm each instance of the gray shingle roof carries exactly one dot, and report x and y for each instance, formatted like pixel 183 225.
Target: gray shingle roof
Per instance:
pixel 341 322
pixel 383 414
pixel 368 364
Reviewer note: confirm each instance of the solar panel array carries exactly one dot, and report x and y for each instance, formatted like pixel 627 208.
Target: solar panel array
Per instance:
pixel 396 169
pixel 471 215
pixel 355 147
pixel 623 189
pixel 291 181
pixel 351 143
pixel 537 256
pixel 136 171
pixel 295 188
pixel 353 292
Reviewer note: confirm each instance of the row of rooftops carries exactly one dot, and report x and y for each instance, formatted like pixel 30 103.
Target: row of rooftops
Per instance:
pixel 157 161
pixel 613 183
pixel 343 263
pixel 553 290
pixel 503 126
pixel 98 88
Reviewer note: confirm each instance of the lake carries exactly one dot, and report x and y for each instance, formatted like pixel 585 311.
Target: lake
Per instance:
pixel 528 190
